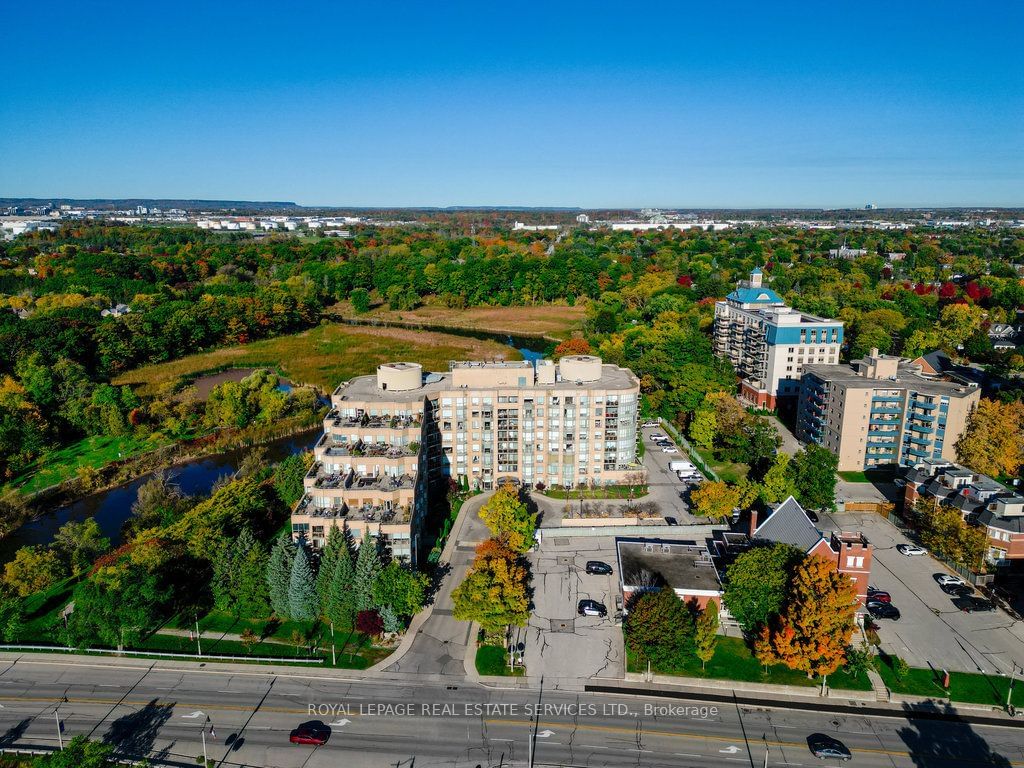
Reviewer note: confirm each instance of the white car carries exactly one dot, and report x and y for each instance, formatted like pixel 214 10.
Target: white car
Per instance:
pixel 658 436
pixel 946 579
pixel 911 550
pixel 670 449
pixel 648 424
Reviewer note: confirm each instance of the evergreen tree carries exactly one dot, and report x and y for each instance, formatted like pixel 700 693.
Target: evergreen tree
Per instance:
pixel 390 619
pixel 367 570
pixel 336 541
pixel 279 574
pixel 250 582
pixel 302 597
pixel 341 606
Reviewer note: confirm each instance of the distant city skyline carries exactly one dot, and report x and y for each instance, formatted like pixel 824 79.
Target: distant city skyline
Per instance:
pixel 589 105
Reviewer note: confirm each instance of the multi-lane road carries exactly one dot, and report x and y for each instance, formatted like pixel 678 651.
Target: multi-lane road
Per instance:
pixel 161 711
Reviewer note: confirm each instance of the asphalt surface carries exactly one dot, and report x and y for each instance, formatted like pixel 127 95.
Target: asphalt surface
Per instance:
pixel 161 712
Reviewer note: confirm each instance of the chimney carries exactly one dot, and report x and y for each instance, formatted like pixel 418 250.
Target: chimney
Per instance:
pixel 753 522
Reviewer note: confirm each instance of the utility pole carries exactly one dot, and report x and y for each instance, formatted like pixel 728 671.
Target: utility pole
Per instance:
pixel 531 749
pixel 206 760
pixel 199 646
pixel 1009 692
pixel 334 658
pixel 60 736
pixel 765 737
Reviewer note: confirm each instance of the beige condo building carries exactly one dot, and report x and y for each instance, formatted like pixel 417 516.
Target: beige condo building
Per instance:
pixel 393 439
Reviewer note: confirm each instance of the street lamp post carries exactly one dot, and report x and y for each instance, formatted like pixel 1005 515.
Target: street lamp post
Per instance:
pixel 764 736
pixel 334 658
pixel 1009 691
pixel 199 646
pixel 60 736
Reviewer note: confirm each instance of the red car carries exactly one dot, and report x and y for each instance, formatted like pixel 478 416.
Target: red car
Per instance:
pixel 315 733
pixel 878 596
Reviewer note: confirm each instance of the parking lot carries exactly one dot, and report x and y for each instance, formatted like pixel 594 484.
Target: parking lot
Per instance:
pixel 560 643
pixel 931 630
pixel 667 490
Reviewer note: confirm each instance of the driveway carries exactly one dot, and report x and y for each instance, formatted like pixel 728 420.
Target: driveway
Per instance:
pixel 562 647
pixel 666 489
pixel 931 631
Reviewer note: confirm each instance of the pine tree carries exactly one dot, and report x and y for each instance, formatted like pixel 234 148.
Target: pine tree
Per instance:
pixel 390 619
pixel 233 573
pixel 302 597
pixel 251 583
pixel 340 607
pixel 279 574
pixel 367 570
pixel 336 540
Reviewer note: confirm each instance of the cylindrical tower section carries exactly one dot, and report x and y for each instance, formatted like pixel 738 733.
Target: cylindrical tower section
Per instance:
pixel 399 377
pixel 580 368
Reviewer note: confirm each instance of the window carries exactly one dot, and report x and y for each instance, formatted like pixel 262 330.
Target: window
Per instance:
pixel 853 561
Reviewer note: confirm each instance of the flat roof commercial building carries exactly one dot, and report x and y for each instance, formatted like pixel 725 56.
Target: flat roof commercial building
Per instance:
pixel 391 437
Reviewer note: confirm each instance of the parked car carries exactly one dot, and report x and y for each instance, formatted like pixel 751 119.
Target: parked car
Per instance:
pixel 823 746
pixel 911 550
pixel 899 482
pixel 670 449
pixel 598 568
pixel 958 590
pixel 878 596
pixel 973 604
pixel 671 521
pixel 880 610
pixel 811 515
pixel 658 436
pixel 946 578
pixel 647 424
pixel 314 732
pixel 591 608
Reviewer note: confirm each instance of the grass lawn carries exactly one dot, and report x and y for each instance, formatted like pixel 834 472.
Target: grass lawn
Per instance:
pixel 869 476
pixel 555 321
pixel 971 688
pixel 605 492
pixel 729 471
pixel 43 609
pixel 326 355
pixel 493 660
pixel 57 466
pixel 734 661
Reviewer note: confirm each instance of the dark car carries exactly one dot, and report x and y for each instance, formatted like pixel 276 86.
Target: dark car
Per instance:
pixel 811 515
pixel 883 611
pixel 971 604
pixel 314 732
pixel 823 746
pixel 957 590
pixel 598 568
pixel 591 608
pixel 878 596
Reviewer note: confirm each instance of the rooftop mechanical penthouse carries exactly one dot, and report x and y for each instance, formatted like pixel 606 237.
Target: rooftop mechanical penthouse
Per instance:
pixel 392 440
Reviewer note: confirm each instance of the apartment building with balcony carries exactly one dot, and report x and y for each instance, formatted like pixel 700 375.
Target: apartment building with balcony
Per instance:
pixel 769 343
pixel 882 410
pixel 392 439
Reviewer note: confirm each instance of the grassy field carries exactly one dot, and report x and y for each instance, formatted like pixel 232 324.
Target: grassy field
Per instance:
pixel 604 492
pixel 493 660
pixel 729 471
pixel 557 322
pixel 325 355
pixel 966 687
pixel 734 661
pixel 870 476
pixel 57 466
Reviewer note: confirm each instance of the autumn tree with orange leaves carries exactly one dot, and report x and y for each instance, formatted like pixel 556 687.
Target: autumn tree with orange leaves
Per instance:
pixel 574 346
pixel 494 591
pixel 813 630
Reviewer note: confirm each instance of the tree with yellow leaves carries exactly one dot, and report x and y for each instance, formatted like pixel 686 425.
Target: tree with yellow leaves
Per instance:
pixel 494 591
pixel 993 442
pixel 813 630
pixel 715 499
pixel 509 518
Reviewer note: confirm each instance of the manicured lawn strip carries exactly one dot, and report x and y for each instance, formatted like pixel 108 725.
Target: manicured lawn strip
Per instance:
pixel 57 466
pixel 853 476
pixel 326 355
pixel 555 321
pixel 493 660
pixel 603 492
pixel 734 661
pixel 968 687
pixel 869 476
pixel 729 471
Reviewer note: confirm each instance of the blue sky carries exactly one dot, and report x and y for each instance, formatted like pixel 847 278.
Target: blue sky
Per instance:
pixel 589 104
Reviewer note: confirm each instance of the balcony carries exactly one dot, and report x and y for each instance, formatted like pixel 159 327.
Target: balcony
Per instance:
pixel 921 404
pixel 396 515
pixel 372 422
pixel 921 428
pixel 883 411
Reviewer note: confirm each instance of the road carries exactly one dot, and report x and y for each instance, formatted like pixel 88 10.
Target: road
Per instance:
pixel 146 708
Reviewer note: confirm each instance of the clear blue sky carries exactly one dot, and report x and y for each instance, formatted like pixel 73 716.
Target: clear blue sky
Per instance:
pixel 589 104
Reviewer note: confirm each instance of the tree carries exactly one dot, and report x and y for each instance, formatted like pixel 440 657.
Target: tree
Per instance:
pixel 703 427
pixel 400 589
pixel 813 630
pixel 389 619
pixel 80 752
pixel 117 605
pixel 360 299
pixel 337 540
pixel 288 477
pixel 756 583
pixel 777 484
pixel 715 499
pixel 33 569
pixel 814 477
pixel 993 441
pixel 659 628
pixel 369 623
pixel 249 639
pixel 366 572
pixel 705 636
pixel 960 321
pixel 494 590
pixel 79 544
pixel 341 600
pixel 303 604
pixel 509 519
pixel 158 503
pixel 860 659
pixel 279 574
pixel 573 346
pixel 239 581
